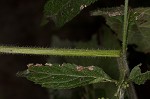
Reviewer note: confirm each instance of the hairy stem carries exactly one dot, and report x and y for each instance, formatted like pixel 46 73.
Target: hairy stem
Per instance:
pixel 122 61
pixel 125 28
pixel 124 70
pixel 60 52
pixel 123 66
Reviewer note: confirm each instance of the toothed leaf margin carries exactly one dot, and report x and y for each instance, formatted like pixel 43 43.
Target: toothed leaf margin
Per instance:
pixel 64 76
pixel 62 11
pixel 137 77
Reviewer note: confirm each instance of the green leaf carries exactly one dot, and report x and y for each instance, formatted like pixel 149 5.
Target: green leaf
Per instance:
pixel 64 76
pixel 139 33
pixel 62 11
pixel 137 77
pixel 139 26
pixel 113 11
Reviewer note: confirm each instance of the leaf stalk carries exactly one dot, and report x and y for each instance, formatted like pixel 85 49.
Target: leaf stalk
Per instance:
pixel 60 52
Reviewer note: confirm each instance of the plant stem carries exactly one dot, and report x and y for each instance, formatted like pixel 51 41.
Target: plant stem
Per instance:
pixel 125 28
pixel 122 61
pixel 60 52
pixel 124 70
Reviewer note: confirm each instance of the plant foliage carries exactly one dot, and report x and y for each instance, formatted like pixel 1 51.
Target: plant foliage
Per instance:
pixel 137 77
pixel 139 25
pixel 64 76
pixel 62 11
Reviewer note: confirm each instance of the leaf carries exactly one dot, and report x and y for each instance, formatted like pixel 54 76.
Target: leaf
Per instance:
pixel 113 11
pixel 139 32
pixel 137 77
pixel 114 18
pixel 139 26
pixel 62 11
pixel 64 76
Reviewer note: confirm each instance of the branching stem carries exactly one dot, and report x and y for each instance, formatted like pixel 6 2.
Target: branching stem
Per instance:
pixel 123 65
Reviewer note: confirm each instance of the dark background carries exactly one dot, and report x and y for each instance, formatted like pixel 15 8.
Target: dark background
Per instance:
pixel 20 26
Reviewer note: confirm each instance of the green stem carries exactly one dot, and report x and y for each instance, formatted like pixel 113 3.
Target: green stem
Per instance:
pixel 125 28
pixel 60 52
pixel 123 66
pixel 124 70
